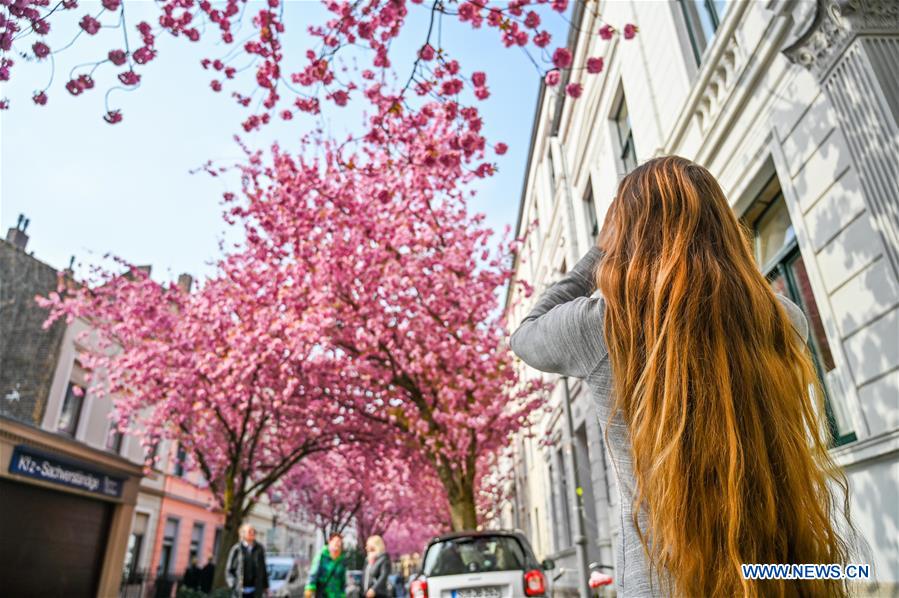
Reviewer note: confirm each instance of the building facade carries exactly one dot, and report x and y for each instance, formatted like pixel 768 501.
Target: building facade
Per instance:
pixel 141 537
pixel 793 106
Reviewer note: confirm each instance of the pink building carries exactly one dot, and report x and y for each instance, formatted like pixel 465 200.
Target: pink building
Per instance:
pixel 190 526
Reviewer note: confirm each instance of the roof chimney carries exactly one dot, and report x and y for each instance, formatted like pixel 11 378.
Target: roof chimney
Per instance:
pixel 185 282
pixel 17 236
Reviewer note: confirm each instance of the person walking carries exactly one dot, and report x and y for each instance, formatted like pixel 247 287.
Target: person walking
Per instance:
pixel 377 569
pixel 192 574
pixel 245 570
pixel 706 392
pixel 207 575
pixel 327 576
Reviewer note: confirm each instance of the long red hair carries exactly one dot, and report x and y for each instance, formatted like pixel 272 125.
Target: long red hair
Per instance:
pixel 721 398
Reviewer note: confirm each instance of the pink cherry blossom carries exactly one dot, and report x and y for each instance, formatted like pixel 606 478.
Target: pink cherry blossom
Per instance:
pixel 90 25
pixel 427 52
pixel 113 117
pixel 129 78
pixel 85 82
pixel 595 65
pixel 562 58
pixel 74 87
pixel 144 54
pixel 117 57
pixel 542 39
pixel 479 78
pixel 501 148
pixel 574 90
pixel 553 78
pixel 371 26
pixel 41 50
pixel 40 98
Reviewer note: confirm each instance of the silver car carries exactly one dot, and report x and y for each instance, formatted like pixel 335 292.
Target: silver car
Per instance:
pixel 286 577
pixel 488 564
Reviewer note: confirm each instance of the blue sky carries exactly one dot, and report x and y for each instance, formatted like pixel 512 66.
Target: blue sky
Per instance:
pixel 90 188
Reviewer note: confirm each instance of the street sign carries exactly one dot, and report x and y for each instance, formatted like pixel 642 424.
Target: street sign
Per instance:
pixel 35 464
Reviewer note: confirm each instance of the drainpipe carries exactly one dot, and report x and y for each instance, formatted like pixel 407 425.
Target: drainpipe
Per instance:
pixel 575 495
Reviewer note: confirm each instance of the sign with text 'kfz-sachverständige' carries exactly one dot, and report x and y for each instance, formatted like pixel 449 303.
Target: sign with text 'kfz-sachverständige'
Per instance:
pixel 35 464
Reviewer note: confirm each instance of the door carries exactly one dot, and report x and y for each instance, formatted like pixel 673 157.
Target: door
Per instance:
pixel 52 543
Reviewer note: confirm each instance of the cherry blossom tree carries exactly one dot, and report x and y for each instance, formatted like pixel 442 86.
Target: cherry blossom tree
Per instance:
pixel 365 26
pixel 373 488
pixel 407 284
pixel 231 371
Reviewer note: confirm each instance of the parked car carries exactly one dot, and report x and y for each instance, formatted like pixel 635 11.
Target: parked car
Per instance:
pixel 286 578
pixel 486 564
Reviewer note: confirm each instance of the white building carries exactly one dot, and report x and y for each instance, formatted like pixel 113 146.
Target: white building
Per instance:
pixel 793 106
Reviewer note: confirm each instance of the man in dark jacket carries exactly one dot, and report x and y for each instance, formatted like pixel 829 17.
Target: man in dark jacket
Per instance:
pixel 207 575
pixel 192 575
pixel 245 572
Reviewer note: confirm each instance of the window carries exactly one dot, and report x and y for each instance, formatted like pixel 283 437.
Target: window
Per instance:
pixel 565 527
pixel 71 410
pixel 180 457
pixel 216 544
pixel 474 554
pixel 167 554
pixel 628 154
pixel 702 18
pixel 196 542
pixel 585 482
pixel 554 508
pixel 152 452
pixel 552 173
pixel 590 209
pixel 135 543
pixel 114 440
pixel 778 255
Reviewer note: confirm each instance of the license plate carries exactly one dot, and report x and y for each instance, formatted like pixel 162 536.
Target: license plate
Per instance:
pixel 478 593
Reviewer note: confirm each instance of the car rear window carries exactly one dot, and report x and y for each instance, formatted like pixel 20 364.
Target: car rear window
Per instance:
pixel 278 571
pixel 473 554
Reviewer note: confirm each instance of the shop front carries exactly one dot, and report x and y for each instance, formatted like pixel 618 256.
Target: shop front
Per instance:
pixel 65 513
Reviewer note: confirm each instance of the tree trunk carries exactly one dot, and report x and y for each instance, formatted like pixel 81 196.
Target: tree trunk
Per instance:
pixel 230 537
pixel 462 508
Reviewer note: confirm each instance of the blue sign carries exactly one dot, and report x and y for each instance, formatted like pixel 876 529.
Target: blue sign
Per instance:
pixel 35 464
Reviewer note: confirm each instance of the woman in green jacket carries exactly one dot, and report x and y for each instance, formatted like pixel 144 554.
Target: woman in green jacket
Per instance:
pixel 327 577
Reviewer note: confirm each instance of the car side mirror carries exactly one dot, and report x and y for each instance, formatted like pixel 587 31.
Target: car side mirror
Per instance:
pixel 548 564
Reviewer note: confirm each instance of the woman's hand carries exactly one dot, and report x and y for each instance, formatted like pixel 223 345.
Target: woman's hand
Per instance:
pixel 307 594
pixel 370 594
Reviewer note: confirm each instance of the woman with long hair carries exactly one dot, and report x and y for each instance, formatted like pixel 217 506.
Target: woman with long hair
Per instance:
pixel 375 579
pixel 706 393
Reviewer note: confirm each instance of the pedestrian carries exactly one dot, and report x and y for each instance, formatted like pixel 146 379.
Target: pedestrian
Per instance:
pixel 327 576
pixel 245 571
pixel 706 393
pixel 207 576
pixel 192 574
pixel 377 569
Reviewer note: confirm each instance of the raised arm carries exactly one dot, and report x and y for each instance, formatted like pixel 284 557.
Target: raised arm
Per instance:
pixel 563 332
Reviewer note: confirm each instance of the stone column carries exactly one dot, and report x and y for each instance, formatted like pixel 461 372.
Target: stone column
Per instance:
pixel 852 48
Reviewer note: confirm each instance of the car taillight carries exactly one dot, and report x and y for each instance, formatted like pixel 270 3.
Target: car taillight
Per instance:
pixel 534 584
pixel 419 588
